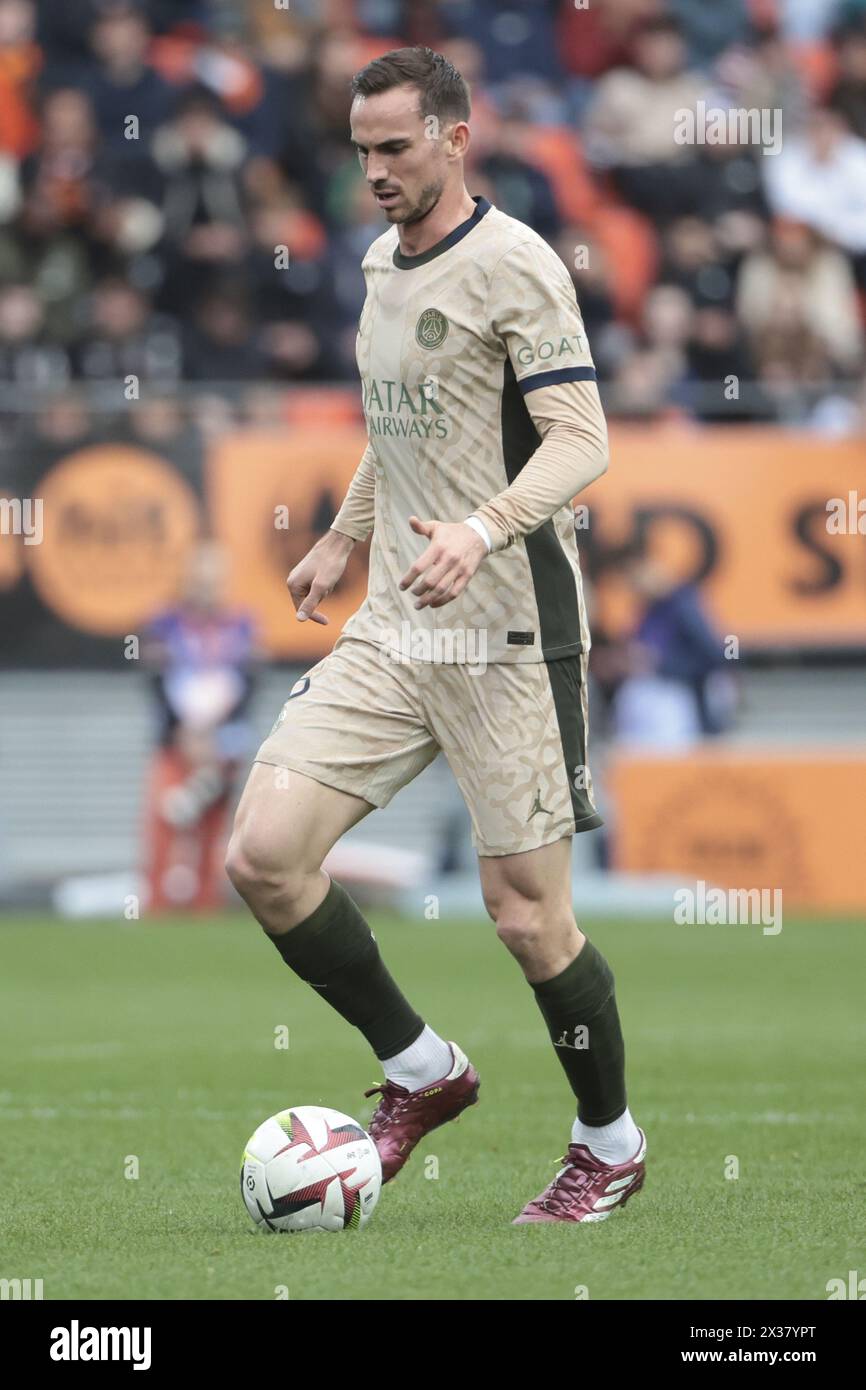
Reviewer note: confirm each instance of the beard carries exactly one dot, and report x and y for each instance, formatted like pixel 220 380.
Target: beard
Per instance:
pixel 427 200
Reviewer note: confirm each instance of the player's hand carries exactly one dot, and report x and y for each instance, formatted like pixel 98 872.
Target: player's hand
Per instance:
pixel 442 571
pixel 316 575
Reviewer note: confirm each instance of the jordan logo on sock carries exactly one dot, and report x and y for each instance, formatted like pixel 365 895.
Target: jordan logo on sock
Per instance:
pixel 581 1038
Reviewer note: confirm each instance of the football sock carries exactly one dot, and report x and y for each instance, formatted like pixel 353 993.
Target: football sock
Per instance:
pixel 613 1143
pixel 579 1008
pixel 427 1059
pixel 335 952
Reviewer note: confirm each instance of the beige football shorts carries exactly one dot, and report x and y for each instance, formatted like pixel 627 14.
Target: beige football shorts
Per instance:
pixel 514 735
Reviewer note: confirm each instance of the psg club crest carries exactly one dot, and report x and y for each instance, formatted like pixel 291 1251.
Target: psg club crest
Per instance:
pixel 431 329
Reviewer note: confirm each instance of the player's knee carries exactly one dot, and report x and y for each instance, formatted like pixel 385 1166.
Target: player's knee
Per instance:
pixel 519 923
pixel 258 874
pixel 240 866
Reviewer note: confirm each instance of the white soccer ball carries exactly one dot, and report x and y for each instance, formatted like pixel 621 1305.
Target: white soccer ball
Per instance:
pixel 310 1169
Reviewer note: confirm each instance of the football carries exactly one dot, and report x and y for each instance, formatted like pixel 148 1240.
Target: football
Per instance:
pixel 309 1168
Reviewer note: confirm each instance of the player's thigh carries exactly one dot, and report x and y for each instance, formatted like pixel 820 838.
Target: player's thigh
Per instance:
pixel 349 736
pixel 287 821
pixel 538 879
pixel 514 735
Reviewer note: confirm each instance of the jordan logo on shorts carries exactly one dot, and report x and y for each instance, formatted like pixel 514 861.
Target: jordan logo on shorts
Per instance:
pixel 537 806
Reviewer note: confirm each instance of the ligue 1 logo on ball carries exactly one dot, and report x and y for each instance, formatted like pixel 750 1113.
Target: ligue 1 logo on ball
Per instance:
pixel 431 329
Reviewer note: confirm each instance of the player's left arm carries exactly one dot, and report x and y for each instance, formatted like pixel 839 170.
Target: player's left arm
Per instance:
pixel 573 452
pixel 534 313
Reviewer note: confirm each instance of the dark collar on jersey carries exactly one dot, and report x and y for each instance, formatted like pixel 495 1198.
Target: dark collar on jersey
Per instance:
pixel 409 262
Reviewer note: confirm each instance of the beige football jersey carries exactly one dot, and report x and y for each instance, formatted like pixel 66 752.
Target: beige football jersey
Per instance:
pixel 453 346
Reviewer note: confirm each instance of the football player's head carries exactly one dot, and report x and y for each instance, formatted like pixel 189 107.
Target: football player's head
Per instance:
pixel 409 124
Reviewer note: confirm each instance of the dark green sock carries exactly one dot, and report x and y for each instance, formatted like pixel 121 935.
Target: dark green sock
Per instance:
pixel 579 1007
pixel 335 952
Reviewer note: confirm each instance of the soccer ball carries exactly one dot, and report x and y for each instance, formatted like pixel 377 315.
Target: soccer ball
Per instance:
pixel 310 1169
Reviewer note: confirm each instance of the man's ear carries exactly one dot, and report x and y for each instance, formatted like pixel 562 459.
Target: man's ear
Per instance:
pixel 458 138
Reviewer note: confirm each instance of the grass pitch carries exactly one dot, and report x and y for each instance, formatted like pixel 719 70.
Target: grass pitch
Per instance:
pixel 157 1042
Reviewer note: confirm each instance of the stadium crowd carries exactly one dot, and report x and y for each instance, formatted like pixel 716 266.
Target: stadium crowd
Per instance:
pixel 155 154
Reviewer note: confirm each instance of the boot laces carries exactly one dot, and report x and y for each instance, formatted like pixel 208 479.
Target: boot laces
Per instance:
pixel 565 1186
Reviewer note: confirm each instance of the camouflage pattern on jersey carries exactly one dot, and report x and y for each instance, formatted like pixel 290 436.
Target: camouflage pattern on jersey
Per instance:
pixel 449 344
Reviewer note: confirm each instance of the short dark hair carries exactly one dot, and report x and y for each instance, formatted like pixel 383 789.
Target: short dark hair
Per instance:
pixel 660 24
pixel 444 93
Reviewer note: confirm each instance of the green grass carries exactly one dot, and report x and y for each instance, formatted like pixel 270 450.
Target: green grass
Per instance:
pixel 157 1041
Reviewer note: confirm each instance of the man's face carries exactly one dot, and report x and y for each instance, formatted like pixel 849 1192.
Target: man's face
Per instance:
pixel 660 54
pixel 401 154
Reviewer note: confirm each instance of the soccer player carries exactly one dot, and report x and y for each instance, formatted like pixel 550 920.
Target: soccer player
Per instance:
pixel 484 421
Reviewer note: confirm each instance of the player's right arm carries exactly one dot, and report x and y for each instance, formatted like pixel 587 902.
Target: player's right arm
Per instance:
pixel 356 516
pixel 321 569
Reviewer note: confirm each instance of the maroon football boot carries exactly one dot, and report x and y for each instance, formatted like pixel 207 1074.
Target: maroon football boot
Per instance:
pixel 403 1117
pixel 586 1189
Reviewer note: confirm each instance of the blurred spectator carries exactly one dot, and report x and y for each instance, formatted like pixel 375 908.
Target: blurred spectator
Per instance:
pixel 516 38
pixel 200 158
pixel 728 192
pixel 292 283
pixel 801 285
pixel 848 96
pixel 221 344
pixel 693 260
pixel 820 179
pixel 126 337
pixel 62 179
pixel 202 654
pixel 644 380
pixel 672 694
pixel 716 352
pixel 631 121
pixel 709 30
pixel 517 187
pixel 27 356
pixel 763 75
pixel 599 37
pixel 124 83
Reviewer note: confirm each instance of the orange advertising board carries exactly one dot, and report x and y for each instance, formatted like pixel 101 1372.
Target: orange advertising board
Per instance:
pixel 735 819
pixel 741 511
pixel 745 512
pixel 271 495
pixel 119 522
